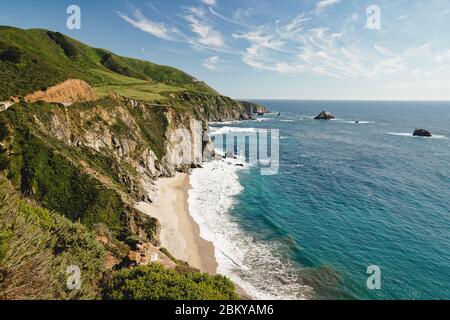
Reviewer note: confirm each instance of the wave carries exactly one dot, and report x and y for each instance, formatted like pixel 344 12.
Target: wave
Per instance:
pixel 222 130
pixel 286 120
pixel 218 123
pixel 407 134
pixel 256 266
pixel 353 121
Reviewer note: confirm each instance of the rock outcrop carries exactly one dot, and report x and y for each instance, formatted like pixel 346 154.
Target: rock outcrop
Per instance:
pixel 145 253
pixel 4 105
pixel 251 107
pixel 324 115
pixel 422 133
pixel 70 91
pixel 184 147
pixel 214 107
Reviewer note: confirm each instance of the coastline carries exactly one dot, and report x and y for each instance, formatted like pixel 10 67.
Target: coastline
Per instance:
pixel 180 234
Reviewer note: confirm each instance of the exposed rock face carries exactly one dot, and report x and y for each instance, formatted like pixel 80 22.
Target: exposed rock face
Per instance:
pixel 123 145
pixel 119 133
pixel 215 108
pixel 4 105
pixel 325 115
pixel 69 91
pixel 184 142
pixel 422 133
pixel 144 254
pixel 251 107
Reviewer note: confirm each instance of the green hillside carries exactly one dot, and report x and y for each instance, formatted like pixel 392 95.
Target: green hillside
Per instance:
pixel 35 59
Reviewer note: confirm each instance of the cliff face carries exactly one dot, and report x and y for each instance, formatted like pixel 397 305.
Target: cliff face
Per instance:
pixel 113 148
pixel 81 150
pixel 216 108
pixel 184 146
pixel 252 107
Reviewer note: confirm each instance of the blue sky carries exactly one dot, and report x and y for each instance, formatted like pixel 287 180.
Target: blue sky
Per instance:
pixel 290 49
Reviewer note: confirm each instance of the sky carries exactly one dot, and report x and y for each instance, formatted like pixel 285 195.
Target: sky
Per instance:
pixel 261 49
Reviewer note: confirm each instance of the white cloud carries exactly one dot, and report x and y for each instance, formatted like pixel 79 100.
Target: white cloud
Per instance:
pixel 302 46
pixel 209 2
pixel 260 38
pixel 206 33
pixel 322 4
pixel 290 48
pixel 211 63
pixel 159 30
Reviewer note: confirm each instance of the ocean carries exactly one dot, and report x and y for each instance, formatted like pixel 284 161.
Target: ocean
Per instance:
pixel 347 196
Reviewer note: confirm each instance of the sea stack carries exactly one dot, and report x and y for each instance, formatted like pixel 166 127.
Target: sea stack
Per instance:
pixel 422 133
pixel 324 115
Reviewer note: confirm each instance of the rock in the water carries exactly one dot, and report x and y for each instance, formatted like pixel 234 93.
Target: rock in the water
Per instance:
pixel 325 115
pixel 422 133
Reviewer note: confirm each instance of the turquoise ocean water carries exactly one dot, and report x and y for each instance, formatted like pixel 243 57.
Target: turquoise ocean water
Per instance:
pixel 348 196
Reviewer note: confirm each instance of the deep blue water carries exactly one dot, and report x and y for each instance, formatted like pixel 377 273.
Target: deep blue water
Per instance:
pixel 349 195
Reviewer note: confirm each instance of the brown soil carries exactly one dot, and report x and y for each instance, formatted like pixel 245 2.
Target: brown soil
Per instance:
pixel 70 91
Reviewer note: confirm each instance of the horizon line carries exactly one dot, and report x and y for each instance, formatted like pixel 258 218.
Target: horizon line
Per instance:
pixel 344 100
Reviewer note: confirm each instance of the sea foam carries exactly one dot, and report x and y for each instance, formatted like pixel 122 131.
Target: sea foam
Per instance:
pixel 254 265
pixel 407 134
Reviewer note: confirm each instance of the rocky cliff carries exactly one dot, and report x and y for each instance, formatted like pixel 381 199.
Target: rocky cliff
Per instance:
pixel 214 107
pixel 85 148
pixel 91 161
pixel 252 107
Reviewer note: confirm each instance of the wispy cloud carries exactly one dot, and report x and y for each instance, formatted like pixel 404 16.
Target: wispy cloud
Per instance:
pixel 319 50
pixel 206 34
pixel 443 13
pixel 406 16
pixel 300 45
pixel 209 2
pixel 322 4
pixel 211 63
pixel 157 29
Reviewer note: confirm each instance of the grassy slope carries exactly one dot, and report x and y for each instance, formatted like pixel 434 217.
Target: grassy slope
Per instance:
pixel 42 58
pixel 37 246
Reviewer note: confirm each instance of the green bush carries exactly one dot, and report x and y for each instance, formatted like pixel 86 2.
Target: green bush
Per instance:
pixel 37 246
pixel 3 244
pixel 11 54
pixel 46 174
pixel 154 282
pixel 117 66
pixel 69 49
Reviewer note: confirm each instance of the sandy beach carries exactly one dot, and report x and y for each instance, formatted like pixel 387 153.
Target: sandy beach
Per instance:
pixel 180 234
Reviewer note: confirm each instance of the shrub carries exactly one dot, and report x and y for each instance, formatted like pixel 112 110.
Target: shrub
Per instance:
pixel 115 65
pixel 37 246
pixel 154 282
pixel 35 163
pixel 69 49
pixel 3 244
pixel 11 54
